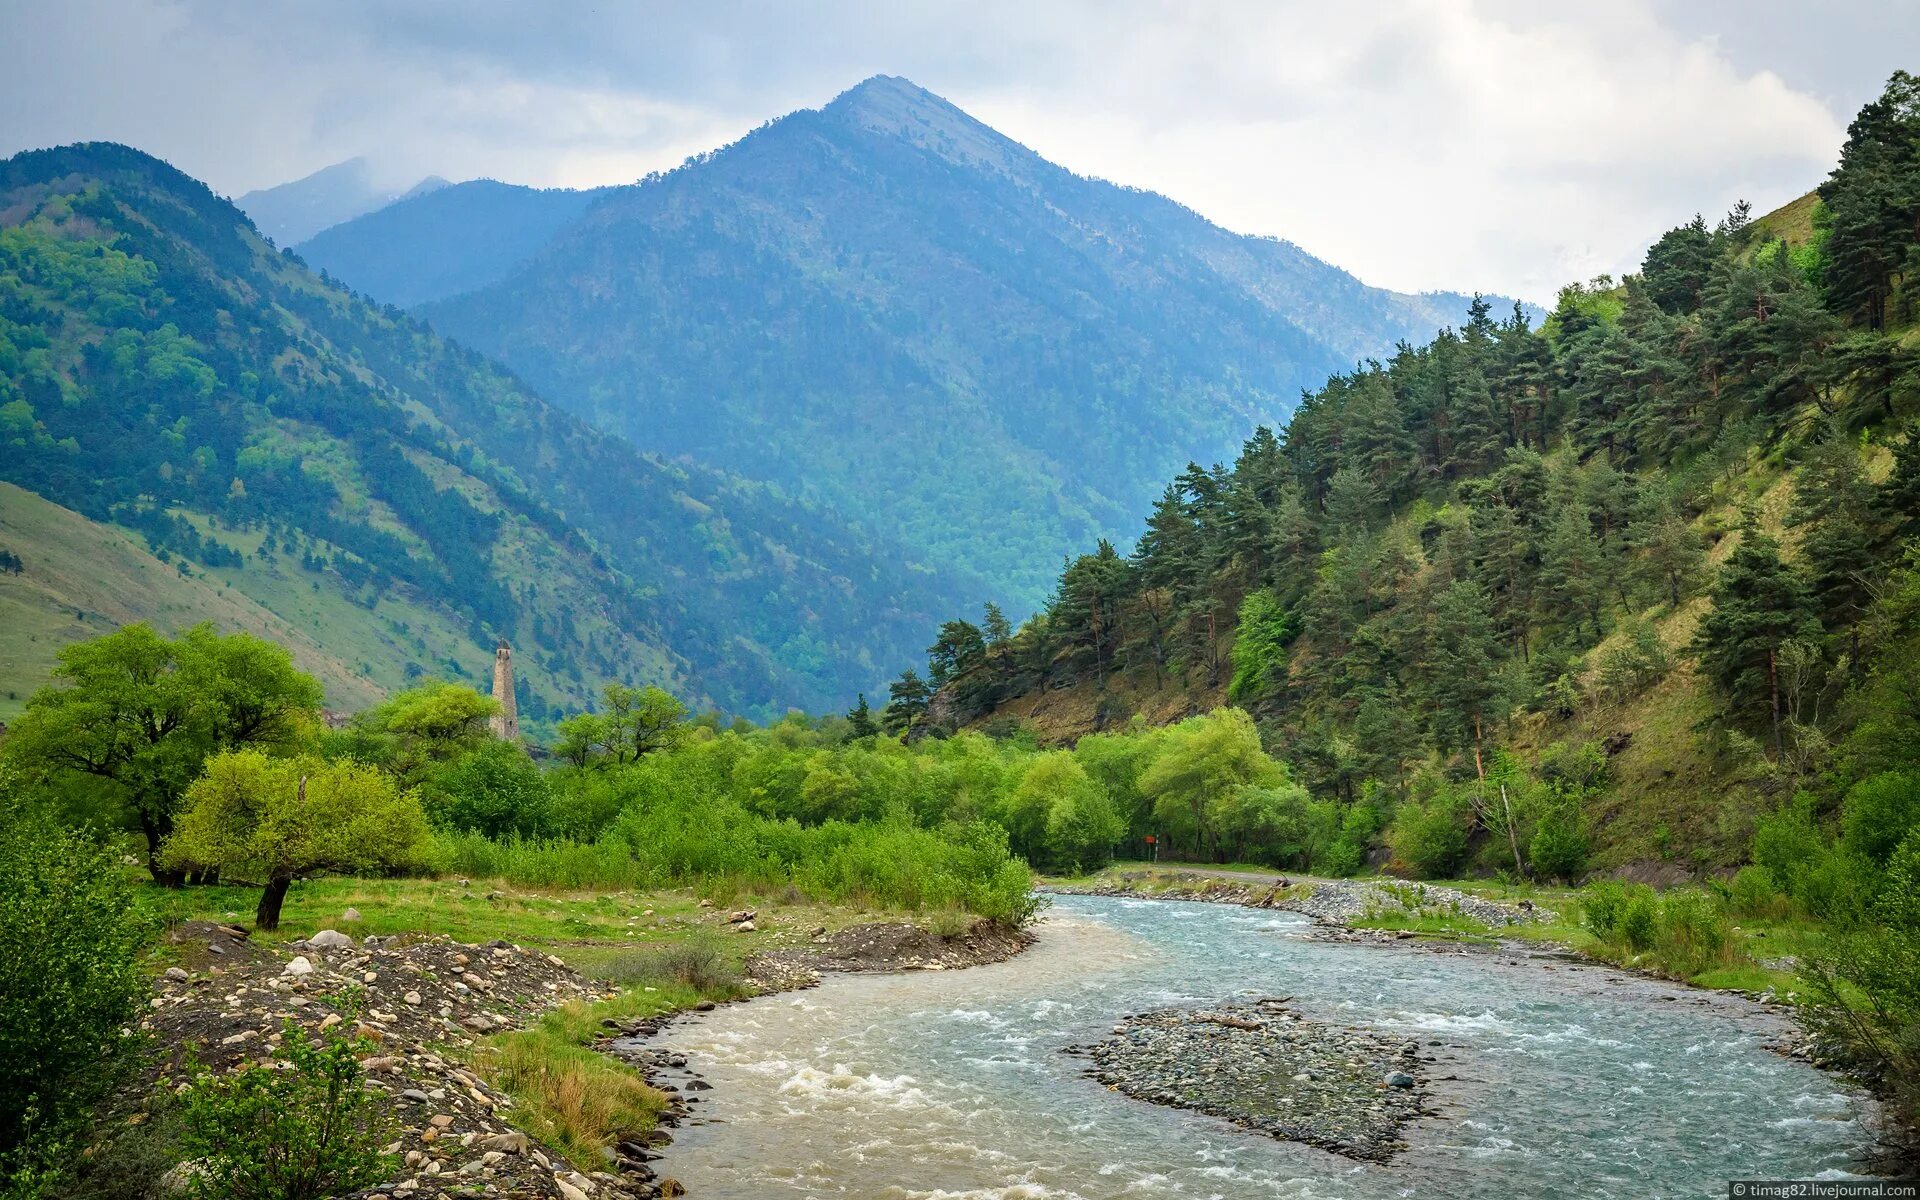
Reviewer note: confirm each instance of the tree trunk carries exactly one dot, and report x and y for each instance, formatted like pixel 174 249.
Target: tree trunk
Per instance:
pixel 1513 837
pixel 164 876
pixel 1773 682
pixel 267 916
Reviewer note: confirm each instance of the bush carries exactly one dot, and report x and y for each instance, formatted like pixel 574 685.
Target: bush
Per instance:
pixel 70 940
pixel 262 1133
pixel 1639 925
pixel 1878 813
pixel 1559 846
pixel 1429 839
pixel 1754 893
pixel 1694 932
pixel 1866 985
pixel 1601 906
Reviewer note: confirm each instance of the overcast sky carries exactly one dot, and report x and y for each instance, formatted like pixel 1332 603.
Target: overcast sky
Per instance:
pixel 1500 146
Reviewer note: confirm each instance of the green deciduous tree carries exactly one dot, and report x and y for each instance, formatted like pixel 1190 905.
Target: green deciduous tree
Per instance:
pixel 139 714
pixel 1200 761
pixel 278 820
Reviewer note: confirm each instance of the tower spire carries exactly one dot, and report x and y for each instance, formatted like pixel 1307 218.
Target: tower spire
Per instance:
pixel 506 722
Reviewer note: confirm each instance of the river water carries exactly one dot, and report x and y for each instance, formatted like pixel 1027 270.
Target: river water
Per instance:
pixel 1571 1080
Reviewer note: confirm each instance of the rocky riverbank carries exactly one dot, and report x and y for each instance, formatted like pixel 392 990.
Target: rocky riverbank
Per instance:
pixel 1267 1068
pixel 1341 902
pixel 418 1002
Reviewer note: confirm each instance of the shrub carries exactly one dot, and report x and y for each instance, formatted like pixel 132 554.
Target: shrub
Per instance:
pixel 70 938
pixel 1430 838
pixel 1694 932
pixel 1559 846
pixel 1879 811
pixel 1639 925
pixel 1754 893
pixel 1601 906
pixel 305 1133
pixel 1866 984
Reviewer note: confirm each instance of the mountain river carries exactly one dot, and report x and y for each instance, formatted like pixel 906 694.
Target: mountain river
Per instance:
pixel 1571 1080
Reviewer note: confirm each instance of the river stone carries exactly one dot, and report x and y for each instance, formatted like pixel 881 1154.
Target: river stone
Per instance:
pixel 298 966
pixel 331 939
pixel 1399 1079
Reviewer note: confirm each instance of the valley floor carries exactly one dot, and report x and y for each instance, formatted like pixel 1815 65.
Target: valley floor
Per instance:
pixel 489 1012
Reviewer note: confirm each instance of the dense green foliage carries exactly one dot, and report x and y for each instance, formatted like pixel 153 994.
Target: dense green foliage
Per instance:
pixel 132 717
pixel 307 1132
pixel 70 938
pixel 885 304
pixel 1484 542
pixel 1491 530
pixel 279 820
pixel 162 368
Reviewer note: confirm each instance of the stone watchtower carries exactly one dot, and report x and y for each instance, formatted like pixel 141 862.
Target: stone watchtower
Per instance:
pixel 506 722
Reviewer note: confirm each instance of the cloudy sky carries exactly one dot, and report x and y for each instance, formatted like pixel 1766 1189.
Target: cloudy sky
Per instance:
pixel 1501 146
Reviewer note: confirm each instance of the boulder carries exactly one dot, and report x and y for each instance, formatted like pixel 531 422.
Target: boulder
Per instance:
pixel 299 966
pixel 1399 1079
pixel 510 1142
pixel 330 939
pixel 352 914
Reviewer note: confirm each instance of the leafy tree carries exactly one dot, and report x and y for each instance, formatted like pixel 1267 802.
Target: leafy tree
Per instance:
pixel 140 714
pixel 1260 646
pixel 306 1133
pixel 1200 760
pixel 278 820
pixel 1759 604
pixel 631 724
pixel 432 723
pixel 495 790
pixel 70 942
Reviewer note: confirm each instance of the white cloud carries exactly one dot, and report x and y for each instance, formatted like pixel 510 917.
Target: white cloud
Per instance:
pixel 1420 143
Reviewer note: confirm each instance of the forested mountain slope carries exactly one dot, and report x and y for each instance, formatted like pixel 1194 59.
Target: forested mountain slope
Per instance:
pixel 1640 576
pixel 890 306
pixel 400 499
pixel 450 240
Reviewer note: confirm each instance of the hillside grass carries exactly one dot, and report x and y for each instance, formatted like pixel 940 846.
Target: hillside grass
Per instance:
pixel 83 579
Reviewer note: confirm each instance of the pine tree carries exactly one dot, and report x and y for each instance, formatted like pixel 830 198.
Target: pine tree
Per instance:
pixel 1676 268
pixel 1759 604
pixel 860 720
pixel 907 701
pixel 1463 686
pixel 995 626
pixel 1834 507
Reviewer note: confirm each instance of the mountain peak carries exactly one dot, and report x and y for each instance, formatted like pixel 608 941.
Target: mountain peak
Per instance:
pixel 898 107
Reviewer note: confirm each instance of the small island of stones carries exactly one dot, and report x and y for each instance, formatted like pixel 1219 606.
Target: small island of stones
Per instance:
pixel 1265 1067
